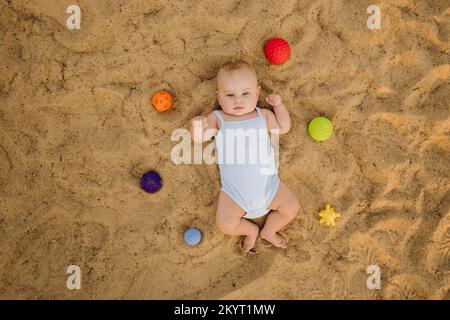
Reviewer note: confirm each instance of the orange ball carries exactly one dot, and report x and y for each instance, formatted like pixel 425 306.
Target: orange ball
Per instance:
pixel 162 100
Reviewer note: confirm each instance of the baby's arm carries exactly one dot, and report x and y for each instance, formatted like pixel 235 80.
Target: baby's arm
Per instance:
pixel 280 120
pixel 203 128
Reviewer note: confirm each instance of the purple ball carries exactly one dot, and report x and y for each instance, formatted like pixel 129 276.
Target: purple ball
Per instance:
pixel 151 182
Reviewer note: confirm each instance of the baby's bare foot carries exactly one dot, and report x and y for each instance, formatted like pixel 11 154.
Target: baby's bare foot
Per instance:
pixel 274 238
pixel 248 243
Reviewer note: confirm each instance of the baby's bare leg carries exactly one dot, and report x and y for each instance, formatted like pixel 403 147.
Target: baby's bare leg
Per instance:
pixel 229 220
pixel 286 206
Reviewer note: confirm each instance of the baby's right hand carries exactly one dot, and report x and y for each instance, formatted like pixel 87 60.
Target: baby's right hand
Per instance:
pixel 200 121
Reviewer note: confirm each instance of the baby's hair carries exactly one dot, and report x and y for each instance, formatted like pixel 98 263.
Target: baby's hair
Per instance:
pixel 235 65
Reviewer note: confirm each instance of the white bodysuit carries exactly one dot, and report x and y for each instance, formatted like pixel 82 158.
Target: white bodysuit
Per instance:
pixel 247 163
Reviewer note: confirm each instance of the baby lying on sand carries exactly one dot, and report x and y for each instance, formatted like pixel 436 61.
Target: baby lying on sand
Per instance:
pixel 250 189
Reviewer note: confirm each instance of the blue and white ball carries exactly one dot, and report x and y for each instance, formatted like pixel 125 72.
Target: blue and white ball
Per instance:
pixel 192 236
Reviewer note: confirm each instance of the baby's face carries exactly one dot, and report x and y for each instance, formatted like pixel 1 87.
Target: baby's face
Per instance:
pixel 238 91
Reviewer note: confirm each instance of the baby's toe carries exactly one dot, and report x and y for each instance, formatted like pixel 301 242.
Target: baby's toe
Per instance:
pixel 280 241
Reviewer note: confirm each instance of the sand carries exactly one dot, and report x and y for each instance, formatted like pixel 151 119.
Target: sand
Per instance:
pixel 77 131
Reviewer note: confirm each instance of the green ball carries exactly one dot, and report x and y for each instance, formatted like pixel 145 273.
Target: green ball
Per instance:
pixel 320 128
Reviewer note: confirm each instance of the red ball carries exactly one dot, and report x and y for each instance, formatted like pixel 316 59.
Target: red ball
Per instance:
pixel 277 50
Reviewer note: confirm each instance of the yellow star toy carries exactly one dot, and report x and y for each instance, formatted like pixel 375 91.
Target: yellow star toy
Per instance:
pixel 328 216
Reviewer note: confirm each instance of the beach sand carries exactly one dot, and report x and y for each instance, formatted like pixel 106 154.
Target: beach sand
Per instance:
pixel 77 131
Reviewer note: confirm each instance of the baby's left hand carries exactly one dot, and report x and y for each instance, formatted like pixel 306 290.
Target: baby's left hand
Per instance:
pixel 274 99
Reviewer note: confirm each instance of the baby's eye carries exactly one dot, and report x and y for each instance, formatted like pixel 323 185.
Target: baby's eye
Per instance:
pixel 246 93
pixel 229 95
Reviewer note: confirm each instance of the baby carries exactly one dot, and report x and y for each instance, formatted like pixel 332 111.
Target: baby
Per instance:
pixel 247 192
